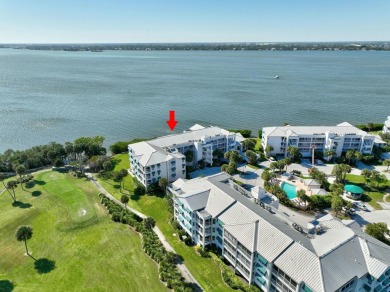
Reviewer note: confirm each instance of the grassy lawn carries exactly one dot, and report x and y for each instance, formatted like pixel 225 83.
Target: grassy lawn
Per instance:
pixel 258 144
pixel 370 196
pixel 73 231
pixel 204 270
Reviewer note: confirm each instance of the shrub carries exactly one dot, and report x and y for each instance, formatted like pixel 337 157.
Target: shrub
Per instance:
pixel 116 217
pixel 139 190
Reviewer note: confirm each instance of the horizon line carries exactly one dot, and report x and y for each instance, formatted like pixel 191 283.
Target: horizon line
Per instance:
pixel 181 43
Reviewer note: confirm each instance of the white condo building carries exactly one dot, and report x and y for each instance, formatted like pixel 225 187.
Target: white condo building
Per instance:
pixel 340 138
pixel 271 251
pixel 164 157
pixel 386 127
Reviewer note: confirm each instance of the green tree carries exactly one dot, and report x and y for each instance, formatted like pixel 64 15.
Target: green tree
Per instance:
pixel 107 165
pixel 386 163
pixel 370 126
pixel 376 178
pixel 358 156
pixel 224 167
pixel 330 154
pixel 252 157
pixel 232 156
pixel 293 152
pixel 273 165
pixel 20 170
pixel 378 231
pixel 189 154
pixel 287 162
pixel 349 155
pixel 345 168
pixel 281 164
pixel 300 195
pixel 340 171
pixel 119 177
pixel 337 204
pixel 249 144
pixel 218 153
pixel 266 176
pixel 139 190
pixel 125 200
pixel 149 222
pixel 305 198
pixel 163 183
pixel 268 149
pixel 2 178
pixel 337 189
pixel 366 173
pixel 12 185
pixel 24 233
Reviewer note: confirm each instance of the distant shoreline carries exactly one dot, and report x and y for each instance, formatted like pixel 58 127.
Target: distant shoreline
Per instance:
pixel 319 46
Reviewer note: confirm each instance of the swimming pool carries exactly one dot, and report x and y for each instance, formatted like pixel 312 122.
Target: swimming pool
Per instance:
pixel 290 190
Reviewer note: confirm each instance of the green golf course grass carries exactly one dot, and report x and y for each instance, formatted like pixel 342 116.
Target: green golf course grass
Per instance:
pixel 78 246
pixel 206 272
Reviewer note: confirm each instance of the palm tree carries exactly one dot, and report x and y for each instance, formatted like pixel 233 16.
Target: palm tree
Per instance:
pixel 2 178
pixel 287 162
pixel 366 173
pixel 125 200
pixel 330 153
pixel 300 194
pixel 163 183
pixel 20 170
pixel 345 168
pixel 149 223
pixel 306 199
pixel 349 155
pixel 358 156
pixel 11 184
pixel 24 233
pixel 268 149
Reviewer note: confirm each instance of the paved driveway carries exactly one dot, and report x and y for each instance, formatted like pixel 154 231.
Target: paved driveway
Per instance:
pixel 364 218
pixel 304 166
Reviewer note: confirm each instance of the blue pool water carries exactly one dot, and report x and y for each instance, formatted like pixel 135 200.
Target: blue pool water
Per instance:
pixel 290 190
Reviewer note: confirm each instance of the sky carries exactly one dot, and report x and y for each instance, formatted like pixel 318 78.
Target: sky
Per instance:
pixel 151 21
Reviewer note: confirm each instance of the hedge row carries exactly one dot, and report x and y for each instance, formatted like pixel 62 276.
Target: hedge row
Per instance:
pixel 231 279
pixel 151 244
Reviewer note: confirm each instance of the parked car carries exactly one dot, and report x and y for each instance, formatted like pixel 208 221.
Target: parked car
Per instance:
pixel 351 211
pixel 356 204
pixel 319 162
pixel 271 159
pixel 363 207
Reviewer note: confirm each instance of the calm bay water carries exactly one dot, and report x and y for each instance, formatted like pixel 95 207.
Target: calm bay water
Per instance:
pixel 59 96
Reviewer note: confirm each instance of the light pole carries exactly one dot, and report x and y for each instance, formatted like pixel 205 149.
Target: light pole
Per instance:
pixel 312 155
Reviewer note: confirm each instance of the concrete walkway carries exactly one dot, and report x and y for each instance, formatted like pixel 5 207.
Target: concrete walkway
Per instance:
pixel 181 267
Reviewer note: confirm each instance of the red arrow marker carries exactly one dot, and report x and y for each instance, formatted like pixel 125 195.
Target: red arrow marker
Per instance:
pixel 171 122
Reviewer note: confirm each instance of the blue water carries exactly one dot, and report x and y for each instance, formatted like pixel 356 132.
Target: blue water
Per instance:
pixel 58 96
pixel 290 190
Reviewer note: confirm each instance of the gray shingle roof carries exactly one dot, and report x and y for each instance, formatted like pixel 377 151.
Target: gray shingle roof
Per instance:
pixel 342 264
pixel 196 134
pixel 324 263
pixel 340 129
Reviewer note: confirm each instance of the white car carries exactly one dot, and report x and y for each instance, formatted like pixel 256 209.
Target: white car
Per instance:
pixel 319 162
pixel 271 159
pixel 363 207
